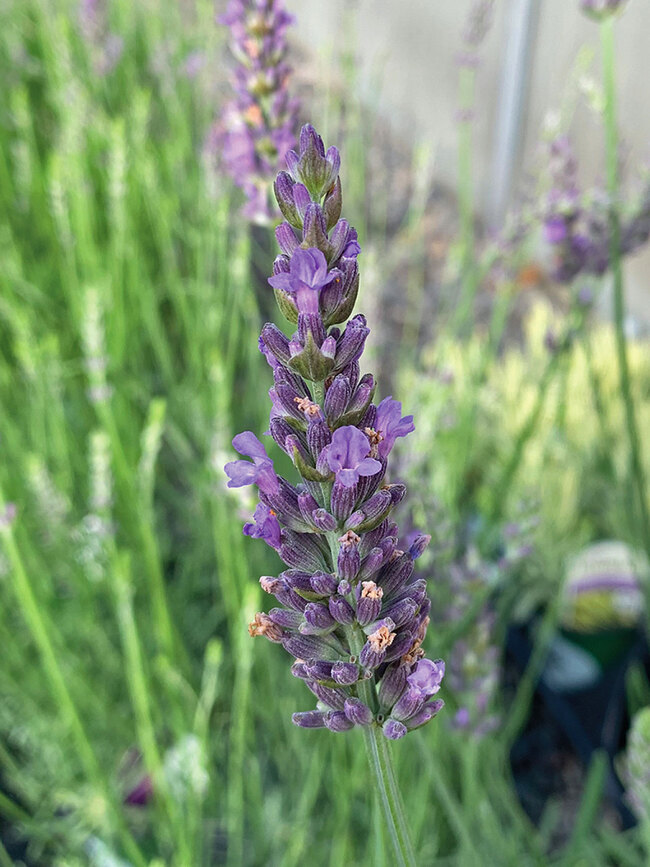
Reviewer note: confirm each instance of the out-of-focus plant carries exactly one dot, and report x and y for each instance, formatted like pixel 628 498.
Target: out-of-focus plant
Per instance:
pixel 258 127
pixel 569 462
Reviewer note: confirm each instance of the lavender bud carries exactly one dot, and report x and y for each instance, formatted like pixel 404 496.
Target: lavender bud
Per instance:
pixel 314 229
pixel 342 500
pixel 393 729
pixel 328 348
pixel 333 697
pixel 345 673
pixel 407 705
pixel 351 344
pixel 280 430
pixel 276 343
pixel 392 685
pixel 319 669
pixel 358 712
pixel 307 647
pixel 323 583
pixel 333 204
pixel 299 669
pixel 348 561
pixel 283 189
pixel 286 238
pixel 355 520
pixel 419 546
pixel 396 574
pixel 285 618
pixel 402 612
pixel 319 437
pixel 309 719
pixel 324 521
pixel 337 398
pixel 371 564
pixel 308 506
pixel 341 610
pixel 318 616
pixel 336 721
pixel 297 580
pixel 369 597
pixel 427 713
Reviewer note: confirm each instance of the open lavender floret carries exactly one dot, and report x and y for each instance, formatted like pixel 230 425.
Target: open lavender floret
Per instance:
pixel 351 612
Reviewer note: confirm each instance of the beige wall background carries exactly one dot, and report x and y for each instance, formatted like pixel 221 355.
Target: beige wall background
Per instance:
pixel 405 52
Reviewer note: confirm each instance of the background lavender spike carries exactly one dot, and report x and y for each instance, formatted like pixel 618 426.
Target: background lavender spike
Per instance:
pixel 257 127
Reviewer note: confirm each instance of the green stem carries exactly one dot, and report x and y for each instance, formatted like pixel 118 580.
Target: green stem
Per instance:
pixel 377 748
pixel 381 765
pixel 636 473
pixel 469 281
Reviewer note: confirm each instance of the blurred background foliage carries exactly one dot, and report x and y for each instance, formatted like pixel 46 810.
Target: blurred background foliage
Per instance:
pixel 138 724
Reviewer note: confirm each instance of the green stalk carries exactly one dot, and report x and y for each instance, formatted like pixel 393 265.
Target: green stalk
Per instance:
pixel 381 766
pixel 40 633
pixel 469 281
pixel 636 479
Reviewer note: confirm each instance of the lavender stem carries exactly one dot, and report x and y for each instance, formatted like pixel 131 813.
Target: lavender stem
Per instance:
pixel 381 764
pixel 637 475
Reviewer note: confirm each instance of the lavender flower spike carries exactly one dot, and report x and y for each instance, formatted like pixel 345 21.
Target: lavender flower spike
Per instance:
pixel 352 613
pixel 258 126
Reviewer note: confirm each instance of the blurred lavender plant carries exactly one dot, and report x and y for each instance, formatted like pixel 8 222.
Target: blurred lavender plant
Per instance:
pixel 351 613
pixel 474 669
pixel 577 224
pixel 258 127
pixel 478 24
pixel 466 582
pixel 105 46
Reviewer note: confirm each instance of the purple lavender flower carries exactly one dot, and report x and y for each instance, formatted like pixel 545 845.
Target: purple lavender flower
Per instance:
pixel 307 275
pixel 257 128
pixel 265 526
pixel 389 425
pixel 260 472
pixel 351 612
pixel 347 456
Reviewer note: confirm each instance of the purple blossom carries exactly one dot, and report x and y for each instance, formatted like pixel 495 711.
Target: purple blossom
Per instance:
pixel 306 276
pixel 265 526
pixel 426 677
pixel 390 425
pixel 347 456
pixel 260 472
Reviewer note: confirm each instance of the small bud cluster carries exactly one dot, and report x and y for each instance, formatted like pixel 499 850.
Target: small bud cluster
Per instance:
pixel 257 128
pixel 577 225
pixel 351 612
